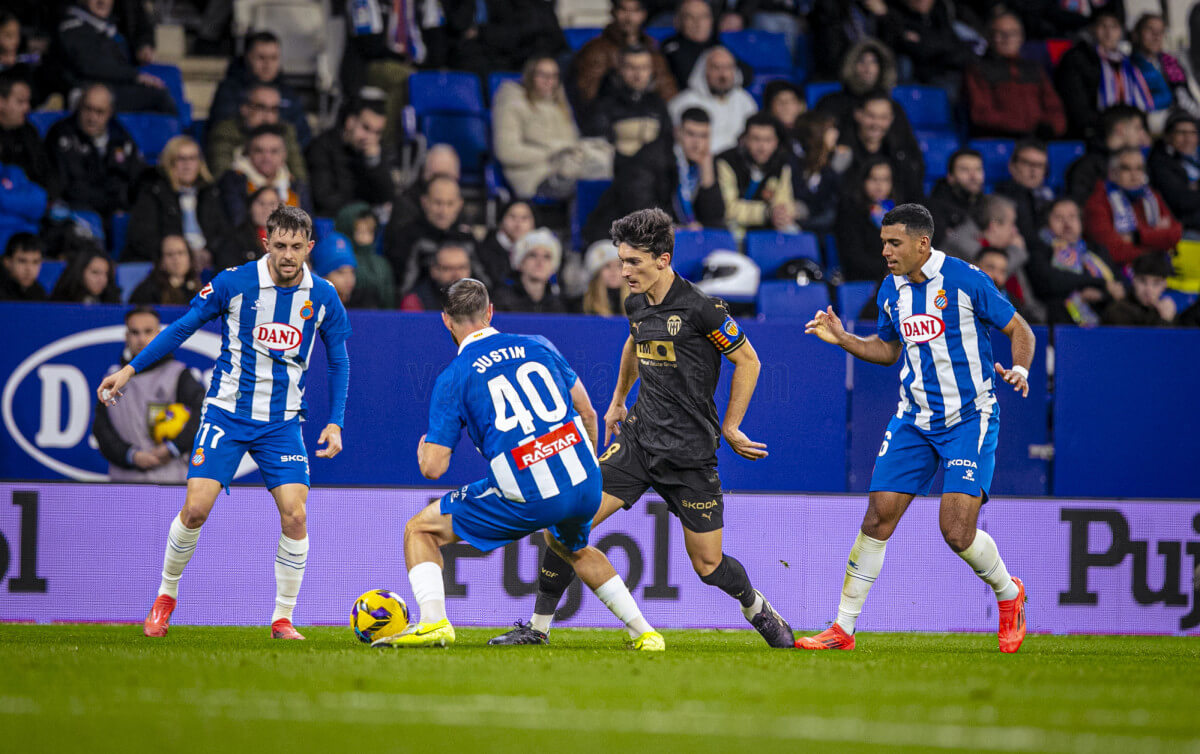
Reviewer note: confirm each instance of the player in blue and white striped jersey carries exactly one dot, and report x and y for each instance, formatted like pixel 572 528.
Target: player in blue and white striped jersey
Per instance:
pixel 528 413
pixel 935 311
pixel 271 312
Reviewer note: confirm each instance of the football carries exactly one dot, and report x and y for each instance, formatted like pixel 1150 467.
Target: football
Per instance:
pixel 378 613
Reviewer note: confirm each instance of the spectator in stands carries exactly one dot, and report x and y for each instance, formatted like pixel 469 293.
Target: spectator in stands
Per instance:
pixel 867 199
pixel 175 279
pixel 374 274
pixel 138 446
pixel 410 248
pixel 716 87
pixel 352 162
pixel 606 291
pixel 1008 96
pixel 441 159
pixel 955 195
pixel 869 69
pixel 90 278
pixel 90 47
pixel 1095 75
pixel 817 172
pixel 333 258
pixel 1175 168
pixel 263 164
pixel 925 35
pixel 695 33
pixel 178 198
pixel 495 253
pixel 838 25
pixel 536 258
pixel 1126 216
pixel 20 144
pixel 1027 187
pixel 260 107
pixel 755 178
pixel 260 64
pixel 501 35
pixel 96 160
pixel 24 63
pixel 783 101
pixel 631 116
pixel 248 241
pixel 1148 306
pixel 1054 19
pixel 1121 126
pixel 993 261
pixel 384 46
pixel 1073 279
pixel 22 265
pixel 992 226
pixel 451 263
pixel 1165 77
pixel 535 138
pixel 872 136
pixel 600 57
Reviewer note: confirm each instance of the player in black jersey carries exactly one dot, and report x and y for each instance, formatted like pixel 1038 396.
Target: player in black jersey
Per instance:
pixel 669 440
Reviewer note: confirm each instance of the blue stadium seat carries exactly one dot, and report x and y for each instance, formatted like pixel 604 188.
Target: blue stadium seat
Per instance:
pixel 129 274
pixel 937 148
pixel 1061 154
pixel 853 296
pixel 92 220
pixel 660 34
pixel 150 131
pixel 468 134
pixel 832 260
pixel 769 250
pixel 43 119
pixel 996 154
pixel 51 271
pixel 927 107
pixel 784 298
pixel 587 196
pixel 1182 299
pixel 198 130
pixel 173 78
pixel 445 92
pixel 494 183
pixel 764 51
pixel 692 246
pixel 579 36
pixel 498 78
pixel 322 227
pixel 815 91
pixel 803 59
pixel 758 84
pixel 120 228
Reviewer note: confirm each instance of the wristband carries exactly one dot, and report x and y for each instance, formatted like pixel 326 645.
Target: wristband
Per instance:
pixel 1021 371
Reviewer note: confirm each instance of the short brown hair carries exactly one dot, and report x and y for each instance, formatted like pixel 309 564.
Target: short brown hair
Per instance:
pixel 647 230
pixel 290 220
pixel 467 301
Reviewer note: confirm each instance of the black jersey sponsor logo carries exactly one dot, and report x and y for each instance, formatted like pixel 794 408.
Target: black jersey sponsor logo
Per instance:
pixel 661 351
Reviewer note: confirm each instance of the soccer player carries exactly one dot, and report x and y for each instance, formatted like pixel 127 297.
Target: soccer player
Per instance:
pixel 935 310
pixel 529 414
pixel 669 439
pixel 271 311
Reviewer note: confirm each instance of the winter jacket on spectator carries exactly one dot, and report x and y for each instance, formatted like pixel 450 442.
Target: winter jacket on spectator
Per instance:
pixel 750 191
pixel 1031 205
pixel 836 26
pixel 1050 19
pixel 11 290
pixel 951 207
pixel 227 140
pixel 91 49
pixel 22 147
pixel 1060 274
pixel 1177 178
pixel 1078 78
pixel 230 94
pixel 1100 223
pixel 102 182
pixel 20 197
pixel 1012 97
pixel 527 133
pixel 507 34
pixel 598 57
pixel 728 112
pixel 630 120
pixel 156 213
pixel 842 104
pixel 341 174
pixel 513 297
pixel 374 272
pixel 411 248
pixel 908 166
pixel 935 47
pixel 682 55
pixel 242 181
pixel 857 230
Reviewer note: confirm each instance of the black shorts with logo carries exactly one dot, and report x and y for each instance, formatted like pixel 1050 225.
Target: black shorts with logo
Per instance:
pixel 692 494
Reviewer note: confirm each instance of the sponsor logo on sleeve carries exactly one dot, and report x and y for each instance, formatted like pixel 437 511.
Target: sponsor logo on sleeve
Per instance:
pixel 206 291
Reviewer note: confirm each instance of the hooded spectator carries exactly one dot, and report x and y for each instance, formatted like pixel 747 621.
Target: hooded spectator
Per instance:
pixel 374 275
pixel 716 87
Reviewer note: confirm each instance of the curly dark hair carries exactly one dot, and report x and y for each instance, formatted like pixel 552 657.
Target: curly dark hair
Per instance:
pixel 647 230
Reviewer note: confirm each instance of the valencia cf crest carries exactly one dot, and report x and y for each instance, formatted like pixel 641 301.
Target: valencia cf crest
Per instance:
pixel 673 324
pixel 731 329
pixel 198 457
pixel 306 311
pixel 940 299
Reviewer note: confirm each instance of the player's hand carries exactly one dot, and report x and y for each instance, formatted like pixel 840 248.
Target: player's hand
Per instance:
pixel 612 420
pixel 744 446
pixel 146 460
pixel 1016 379
pixel 826 326
pixel 110 389
pixel 332 434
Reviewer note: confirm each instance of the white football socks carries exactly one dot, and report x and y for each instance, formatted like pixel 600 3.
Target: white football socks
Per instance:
pixel 755 608
pixel 616 597
pixel 430 591
pixel 984 559
pixel 862 568
pixel 290 559
pixel 181 543
pixel 541 622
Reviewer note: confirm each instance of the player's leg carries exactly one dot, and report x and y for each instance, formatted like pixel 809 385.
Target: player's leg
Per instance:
pixel 425 534
pixel 182 538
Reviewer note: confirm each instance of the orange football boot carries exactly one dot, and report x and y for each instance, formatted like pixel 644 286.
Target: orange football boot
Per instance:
pixel 1012 620
pixel 283 629
pixel 160 616
pixel 834 637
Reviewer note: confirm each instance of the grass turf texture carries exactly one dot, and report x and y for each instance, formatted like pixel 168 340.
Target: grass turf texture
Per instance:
pixel 106 688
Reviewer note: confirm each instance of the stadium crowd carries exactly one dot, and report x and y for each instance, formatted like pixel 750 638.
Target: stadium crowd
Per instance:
pixel 1057 145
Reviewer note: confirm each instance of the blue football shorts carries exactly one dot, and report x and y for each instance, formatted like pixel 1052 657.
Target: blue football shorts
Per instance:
pixel 224 438
pixel 910 456
pixel 485 519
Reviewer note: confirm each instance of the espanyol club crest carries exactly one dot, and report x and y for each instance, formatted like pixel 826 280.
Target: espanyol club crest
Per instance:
pixel 940 299
pixel 198 457
pixel 306 311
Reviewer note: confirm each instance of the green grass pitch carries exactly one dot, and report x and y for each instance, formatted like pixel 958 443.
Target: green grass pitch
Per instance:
pixel 106 688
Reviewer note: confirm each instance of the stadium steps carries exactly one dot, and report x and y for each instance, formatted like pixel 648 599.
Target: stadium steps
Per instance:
pixel 201 75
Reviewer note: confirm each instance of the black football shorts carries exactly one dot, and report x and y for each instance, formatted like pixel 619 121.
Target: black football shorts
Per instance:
pixel 692 494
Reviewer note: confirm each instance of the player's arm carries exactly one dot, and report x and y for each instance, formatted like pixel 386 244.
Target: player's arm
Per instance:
pixel 627 375
pixel 583 406
pixel 1023 342
pixel 339 387
pixel 826 326
pixel 433 459
pixel 746 367
pixel 167 340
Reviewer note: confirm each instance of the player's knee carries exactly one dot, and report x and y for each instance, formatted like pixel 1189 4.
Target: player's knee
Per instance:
pixel 705 563
pixel 958 537
pixel 193 517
